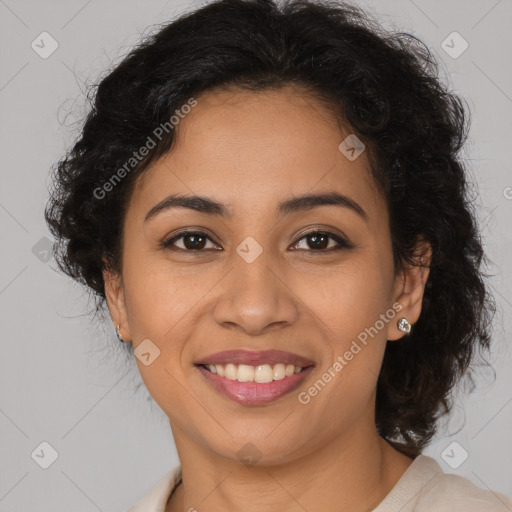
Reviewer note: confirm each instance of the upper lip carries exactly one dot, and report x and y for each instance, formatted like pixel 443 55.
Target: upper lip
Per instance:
pixel 255 358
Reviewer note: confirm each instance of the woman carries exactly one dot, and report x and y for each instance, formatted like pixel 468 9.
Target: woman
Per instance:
pixel 269 201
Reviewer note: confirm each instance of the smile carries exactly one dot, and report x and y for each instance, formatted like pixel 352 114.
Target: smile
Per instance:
pixel 271 375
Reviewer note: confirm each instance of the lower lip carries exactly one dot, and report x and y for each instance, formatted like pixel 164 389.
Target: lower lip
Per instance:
pixel 255 393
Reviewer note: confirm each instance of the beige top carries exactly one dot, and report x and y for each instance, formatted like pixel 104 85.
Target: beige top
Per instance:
pixel 424 487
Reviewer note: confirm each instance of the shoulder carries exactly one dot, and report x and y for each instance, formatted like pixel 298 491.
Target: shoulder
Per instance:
pixel 424 487
pixel 453 493
pixel 156 498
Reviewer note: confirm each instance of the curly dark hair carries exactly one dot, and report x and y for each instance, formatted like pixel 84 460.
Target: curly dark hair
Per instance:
pixel 385 85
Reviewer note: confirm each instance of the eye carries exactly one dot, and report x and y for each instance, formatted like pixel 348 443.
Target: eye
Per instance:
pixel 190 240
pixel 318 241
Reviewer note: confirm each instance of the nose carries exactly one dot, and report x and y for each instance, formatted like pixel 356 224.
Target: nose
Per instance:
pixel 255 299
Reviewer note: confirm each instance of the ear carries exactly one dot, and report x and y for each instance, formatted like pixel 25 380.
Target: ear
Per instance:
pixel 114 293
pixel 410 287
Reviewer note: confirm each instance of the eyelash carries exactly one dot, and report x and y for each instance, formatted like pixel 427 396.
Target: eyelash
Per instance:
pixel 342 243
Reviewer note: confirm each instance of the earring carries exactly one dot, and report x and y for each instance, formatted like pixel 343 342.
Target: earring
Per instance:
pixel 404 325
pixel 118 335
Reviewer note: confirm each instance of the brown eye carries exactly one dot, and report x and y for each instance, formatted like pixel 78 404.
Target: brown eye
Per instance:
pixel 190 241
pixel 318 241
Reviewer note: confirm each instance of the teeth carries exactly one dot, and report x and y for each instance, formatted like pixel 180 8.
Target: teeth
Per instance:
pixel 245 373
pixel 231 372
pixel 264 373
pixel 279 371
pixel 261 374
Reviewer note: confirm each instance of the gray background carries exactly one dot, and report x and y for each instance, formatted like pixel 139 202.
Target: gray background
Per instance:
pixel 64 380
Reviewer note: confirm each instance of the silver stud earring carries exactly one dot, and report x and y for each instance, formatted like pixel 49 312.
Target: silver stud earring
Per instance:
pixel 404 325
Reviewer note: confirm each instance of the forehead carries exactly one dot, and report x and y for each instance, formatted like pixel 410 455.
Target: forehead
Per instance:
pixel 249 149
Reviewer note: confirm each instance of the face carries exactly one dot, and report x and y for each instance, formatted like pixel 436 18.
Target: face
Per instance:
pixel 250 282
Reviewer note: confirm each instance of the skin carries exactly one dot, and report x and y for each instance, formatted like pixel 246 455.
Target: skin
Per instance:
pixel 251 151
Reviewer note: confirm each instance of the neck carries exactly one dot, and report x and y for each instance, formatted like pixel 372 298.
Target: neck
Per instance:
pixel 351 473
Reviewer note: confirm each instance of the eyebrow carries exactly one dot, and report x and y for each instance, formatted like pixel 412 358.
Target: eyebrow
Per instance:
pixel 209 206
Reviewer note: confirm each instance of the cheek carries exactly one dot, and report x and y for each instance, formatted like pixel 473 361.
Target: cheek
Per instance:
pixel 165 304
pixel 158 298
pixel 354 309
pixel 160 308
pixel 348 299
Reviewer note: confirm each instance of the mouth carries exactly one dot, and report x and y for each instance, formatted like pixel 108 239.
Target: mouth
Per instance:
pixel 254 378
